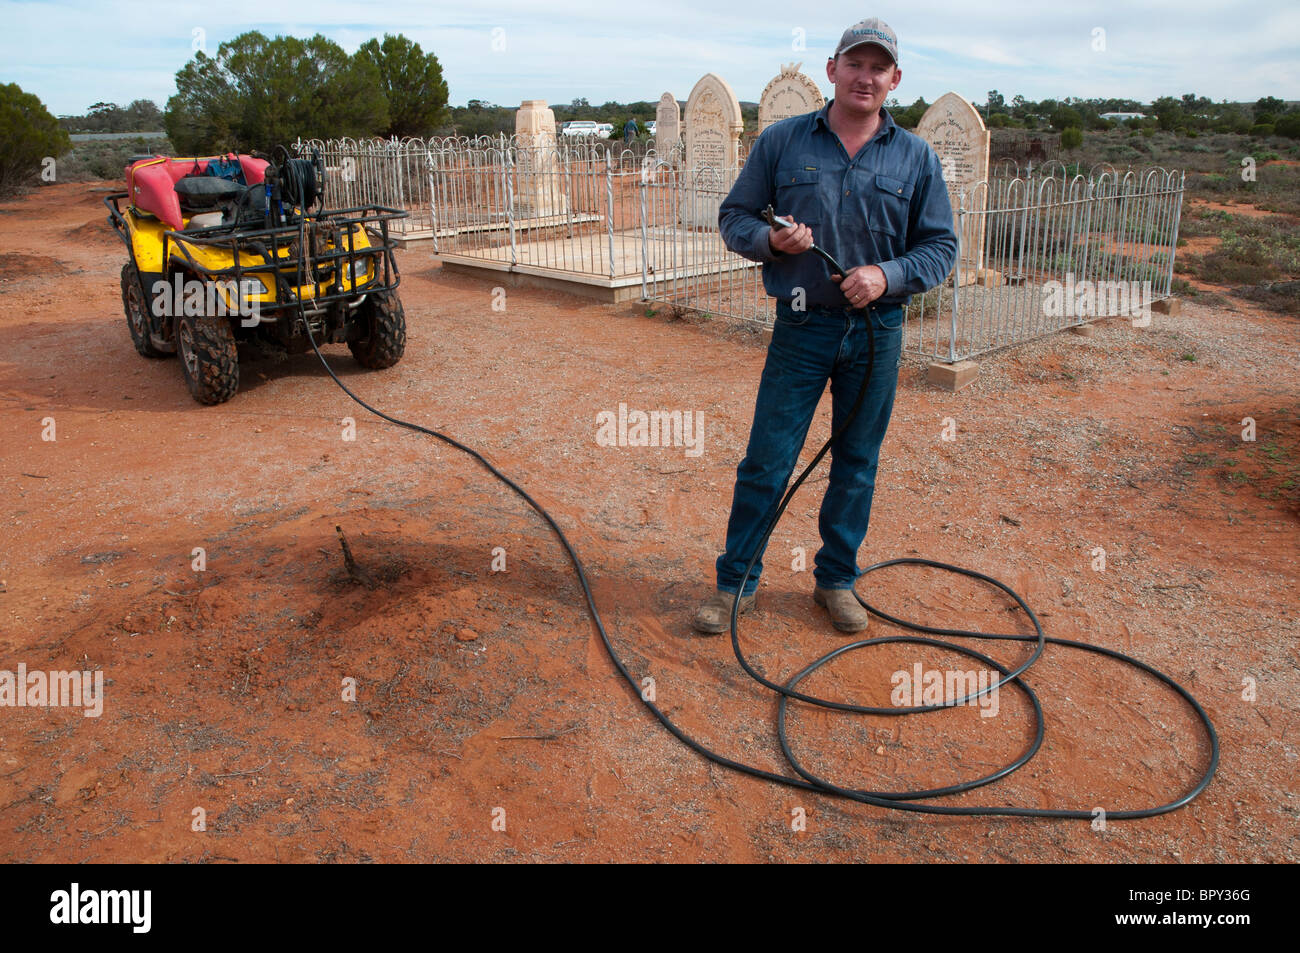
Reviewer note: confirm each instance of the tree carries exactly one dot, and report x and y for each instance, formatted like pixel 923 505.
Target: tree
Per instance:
pixel 1271 105
pixel 143 115
pixel 1066 117
pixel 479 118
pixel 1288 125
pixel 1169 112
pixel 257 93
pixel 412 83
pixel 28 135
pixel 103 117
pixel 909 117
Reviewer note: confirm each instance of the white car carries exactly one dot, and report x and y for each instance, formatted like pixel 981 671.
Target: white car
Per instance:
pixel 606 129
pixel 580 127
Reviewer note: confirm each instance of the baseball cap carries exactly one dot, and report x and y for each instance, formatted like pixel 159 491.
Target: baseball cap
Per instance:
pixel 872 30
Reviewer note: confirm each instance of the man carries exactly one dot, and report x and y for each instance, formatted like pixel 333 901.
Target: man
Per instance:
pixel 629 131
pixel 872 195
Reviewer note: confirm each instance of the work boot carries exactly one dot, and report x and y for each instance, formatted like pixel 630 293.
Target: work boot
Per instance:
pixel 846 612
pixel 714 616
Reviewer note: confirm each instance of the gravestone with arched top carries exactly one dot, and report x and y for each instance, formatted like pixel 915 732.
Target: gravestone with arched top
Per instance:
pixel 713 127
pixel 790 93
pixel 954 129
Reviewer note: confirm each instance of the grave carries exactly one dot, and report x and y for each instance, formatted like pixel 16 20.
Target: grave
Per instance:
pixel 668 125
pixel 539 188
pixel 953 127
pixel 790 93
pixel 713 127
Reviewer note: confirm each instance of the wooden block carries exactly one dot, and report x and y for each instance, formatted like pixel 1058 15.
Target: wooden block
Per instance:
pixel 1083 330
pixel 1173 306
pixel 952 376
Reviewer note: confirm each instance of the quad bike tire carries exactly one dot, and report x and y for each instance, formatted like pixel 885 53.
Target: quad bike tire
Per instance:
pixel 209 358
pixel 385 339
pixel 137 314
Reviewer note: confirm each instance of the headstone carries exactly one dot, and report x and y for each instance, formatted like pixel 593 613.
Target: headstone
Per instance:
pixel 668 125
pixel 790 93
pixel 955 130
pixel 539 186
pixel 713 127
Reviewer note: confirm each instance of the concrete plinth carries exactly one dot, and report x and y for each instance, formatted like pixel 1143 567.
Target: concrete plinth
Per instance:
pixel 952 376
pixel 1083 330
pixel 984 277
pixel 1172 306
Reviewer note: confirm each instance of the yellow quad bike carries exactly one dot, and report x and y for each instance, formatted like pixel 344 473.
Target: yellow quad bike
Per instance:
pixel 228 250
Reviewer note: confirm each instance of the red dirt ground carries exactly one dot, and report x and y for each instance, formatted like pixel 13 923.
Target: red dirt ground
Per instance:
pixel 224 686
pixel 1237 208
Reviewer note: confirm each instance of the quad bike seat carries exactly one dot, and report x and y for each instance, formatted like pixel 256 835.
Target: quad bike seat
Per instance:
pixel 204 192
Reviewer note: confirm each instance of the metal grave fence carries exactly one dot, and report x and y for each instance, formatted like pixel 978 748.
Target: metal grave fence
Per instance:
pixel 1038 251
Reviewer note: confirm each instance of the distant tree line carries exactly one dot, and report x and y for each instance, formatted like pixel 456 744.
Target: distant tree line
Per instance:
pixel 143 115
pixel 409 86
pixel 481 118
pixel 1189 114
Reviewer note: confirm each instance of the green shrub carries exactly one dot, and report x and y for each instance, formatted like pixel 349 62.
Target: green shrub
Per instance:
pixel 28 136
pixel 1288 125
pixel 107 158
pixel 1071 138
pixel 1262 129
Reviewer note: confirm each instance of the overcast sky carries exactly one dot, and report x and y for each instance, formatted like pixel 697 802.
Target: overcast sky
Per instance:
pixel 73 53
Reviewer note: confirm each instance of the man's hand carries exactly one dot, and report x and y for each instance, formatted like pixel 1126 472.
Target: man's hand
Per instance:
pixel 862 285
pixel 790 241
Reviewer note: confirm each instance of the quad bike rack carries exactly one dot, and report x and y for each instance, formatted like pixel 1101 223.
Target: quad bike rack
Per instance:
pixel 277 251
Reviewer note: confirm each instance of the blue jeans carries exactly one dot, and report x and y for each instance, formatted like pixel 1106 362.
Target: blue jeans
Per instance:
pixel 807 348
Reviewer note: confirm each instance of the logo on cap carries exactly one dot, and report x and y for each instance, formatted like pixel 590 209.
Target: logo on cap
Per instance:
pixel 874 31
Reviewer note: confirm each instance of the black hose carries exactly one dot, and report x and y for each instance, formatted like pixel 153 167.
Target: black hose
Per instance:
pixel 807 780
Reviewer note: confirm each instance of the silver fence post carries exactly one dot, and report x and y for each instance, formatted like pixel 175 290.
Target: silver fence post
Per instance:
pixel 956 279
pixel 1177 198
pixel 507 167
pixel 645 237
pixel 609 200
pixel 433 204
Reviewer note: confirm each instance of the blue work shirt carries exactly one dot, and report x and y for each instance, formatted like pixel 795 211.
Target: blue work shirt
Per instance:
pixel 885 206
